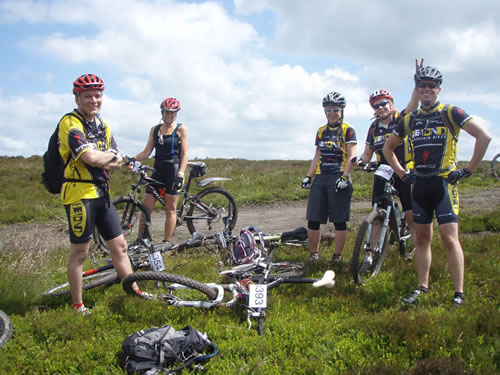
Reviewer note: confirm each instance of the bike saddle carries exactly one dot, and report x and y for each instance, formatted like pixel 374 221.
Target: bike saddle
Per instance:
pixel 299 234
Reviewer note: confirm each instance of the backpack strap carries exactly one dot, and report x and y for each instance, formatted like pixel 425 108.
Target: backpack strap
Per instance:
pixel 158 131
pixel 80 118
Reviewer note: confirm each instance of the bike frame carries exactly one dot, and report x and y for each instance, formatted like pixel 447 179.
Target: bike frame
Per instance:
pixel 187 199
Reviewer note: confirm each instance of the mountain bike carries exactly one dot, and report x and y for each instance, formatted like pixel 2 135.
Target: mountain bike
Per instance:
pixel 249 288
pixel 385 218
pixel 5 328
pixel 211 210
pixel 495 166
pixel 145 254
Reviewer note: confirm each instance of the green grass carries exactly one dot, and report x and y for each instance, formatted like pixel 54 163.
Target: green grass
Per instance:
pixel 344 330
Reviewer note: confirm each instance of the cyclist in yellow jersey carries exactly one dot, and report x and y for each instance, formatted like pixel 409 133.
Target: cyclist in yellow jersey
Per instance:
pixel 85 140
pixel 331 190
pixel 386 119
pixel 434 132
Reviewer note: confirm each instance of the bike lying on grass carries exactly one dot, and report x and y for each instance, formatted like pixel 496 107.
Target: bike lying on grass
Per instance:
pixel 5 328
pixel 141 256
pixel 251 283
pixel 211 210
pixel 385 218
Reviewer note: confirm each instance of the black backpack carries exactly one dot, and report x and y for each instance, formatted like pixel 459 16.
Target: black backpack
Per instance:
pixel 165 349
pixel 54 165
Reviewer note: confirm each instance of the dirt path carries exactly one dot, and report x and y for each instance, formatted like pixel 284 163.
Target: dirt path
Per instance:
pixel 270 218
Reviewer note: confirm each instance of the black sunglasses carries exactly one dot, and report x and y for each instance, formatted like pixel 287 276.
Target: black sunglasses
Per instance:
pixel 377 106
pixel 430 85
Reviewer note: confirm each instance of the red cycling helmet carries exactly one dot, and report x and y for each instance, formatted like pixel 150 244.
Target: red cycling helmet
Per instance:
pixel 380 94
pixel 87 82
pixel 170 105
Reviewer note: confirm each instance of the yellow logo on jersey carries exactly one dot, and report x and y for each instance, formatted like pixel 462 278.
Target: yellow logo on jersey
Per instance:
pixel 78 216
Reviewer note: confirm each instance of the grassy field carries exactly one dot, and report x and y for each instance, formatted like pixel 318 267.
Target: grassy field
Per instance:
pixel 344 330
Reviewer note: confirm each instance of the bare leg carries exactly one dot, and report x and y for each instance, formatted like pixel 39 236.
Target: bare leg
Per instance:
pixel 423 254
pixel 77 255
pixel 411 224
pixel 314 237
pixel 454 254
pixel 118 249
pixel 170 215
pixel 340 238
pixel 149 202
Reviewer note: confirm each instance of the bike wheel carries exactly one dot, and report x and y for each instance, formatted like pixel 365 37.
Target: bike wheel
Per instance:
pixel 5 328
pixel 361 272
pixel 212 210
pixel 129 213
pixel 495 166
pixel 106 277
pixel 284 270
pixel 168 287
pixel 404 231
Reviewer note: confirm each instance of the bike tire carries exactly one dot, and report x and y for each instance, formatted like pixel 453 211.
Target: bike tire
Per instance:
pixel 224 212
pixel 495 166
pixel 5 328
pixel 158 286
pixel 362 275
pixel 404 231
pixel 107 277
pixel 284 270
pixel 129 213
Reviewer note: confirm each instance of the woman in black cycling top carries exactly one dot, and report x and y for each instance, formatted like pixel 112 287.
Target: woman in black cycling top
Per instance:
pixel 386 119
pixel 170 141
pixel 331 189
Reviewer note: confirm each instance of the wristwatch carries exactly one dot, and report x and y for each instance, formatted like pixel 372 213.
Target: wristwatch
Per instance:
pixel 114 152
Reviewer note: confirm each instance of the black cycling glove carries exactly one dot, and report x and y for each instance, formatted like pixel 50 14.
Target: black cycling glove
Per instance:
pixel 458 174
pixel 178 183
pixel 408 178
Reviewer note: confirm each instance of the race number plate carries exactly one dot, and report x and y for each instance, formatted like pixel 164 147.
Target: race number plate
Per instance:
pixel 385 171
pixel 156 261
pixel 258 296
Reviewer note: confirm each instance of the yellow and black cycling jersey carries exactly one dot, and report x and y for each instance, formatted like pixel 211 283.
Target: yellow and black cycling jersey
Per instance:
pixel 332 143
pixel 434 139
pixel 378 134
pixel 77 136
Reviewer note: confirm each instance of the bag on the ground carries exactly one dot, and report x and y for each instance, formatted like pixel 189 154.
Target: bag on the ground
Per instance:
pixel 244 249
pixel 163 349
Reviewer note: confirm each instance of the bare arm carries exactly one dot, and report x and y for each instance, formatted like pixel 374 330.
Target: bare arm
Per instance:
pixel 182 131
pixel 102 159
pixel 390 145
pixel 144 154
pixel 414 101
pixel 351 152
pixel 482 137
pixel 366 156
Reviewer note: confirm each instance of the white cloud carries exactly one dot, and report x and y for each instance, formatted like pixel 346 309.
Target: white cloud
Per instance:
pixel 240 96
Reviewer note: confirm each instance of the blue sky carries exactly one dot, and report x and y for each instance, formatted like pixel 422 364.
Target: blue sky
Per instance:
pixel 250 74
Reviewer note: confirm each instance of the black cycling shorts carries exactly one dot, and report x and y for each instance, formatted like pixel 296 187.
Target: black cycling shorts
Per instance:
pixel 165 173
pixel 87 213
pixel 327 204
pixel 403 189
pixel 431 195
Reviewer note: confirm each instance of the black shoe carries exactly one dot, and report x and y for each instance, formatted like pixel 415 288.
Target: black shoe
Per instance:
pixel 336 258
pixel 366 265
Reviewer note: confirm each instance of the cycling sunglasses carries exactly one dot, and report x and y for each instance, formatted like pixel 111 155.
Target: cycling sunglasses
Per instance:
pixel 383 104
pixel 430 85
pixel 332 110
